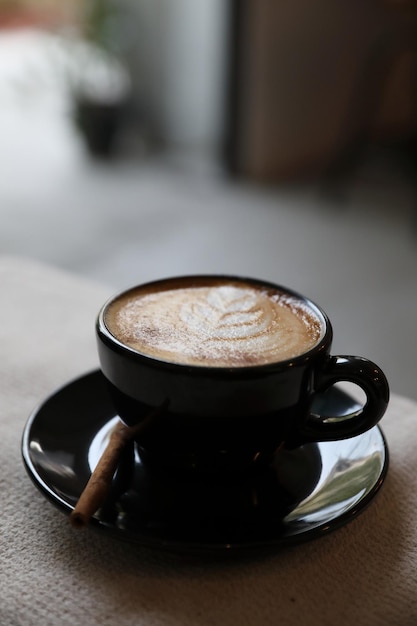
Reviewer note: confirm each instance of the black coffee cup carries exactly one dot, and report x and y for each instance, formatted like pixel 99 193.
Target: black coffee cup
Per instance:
pixel 229 415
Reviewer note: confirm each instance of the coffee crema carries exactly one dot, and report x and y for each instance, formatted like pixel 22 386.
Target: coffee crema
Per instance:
pixel 214 323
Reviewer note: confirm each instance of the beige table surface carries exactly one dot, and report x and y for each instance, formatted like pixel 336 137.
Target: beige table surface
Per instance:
pixel 363 573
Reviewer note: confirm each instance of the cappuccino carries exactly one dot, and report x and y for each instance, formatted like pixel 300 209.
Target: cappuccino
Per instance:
pixel 214 322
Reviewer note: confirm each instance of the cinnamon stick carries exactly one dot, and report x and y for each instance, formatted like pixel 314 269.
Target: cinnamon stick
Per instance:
pixel 99 483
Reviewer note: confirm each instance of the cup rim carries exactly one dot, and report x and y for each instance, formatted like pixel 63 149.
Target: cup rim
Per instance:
pixel 105 335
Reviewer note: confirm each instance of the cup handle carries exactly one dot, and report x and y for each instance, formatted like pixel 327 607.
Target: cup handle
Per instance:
pixel 366 375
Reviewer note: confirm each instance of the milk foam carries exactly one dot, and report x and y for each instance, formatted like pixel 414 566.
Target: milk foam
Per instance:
pixel 224 324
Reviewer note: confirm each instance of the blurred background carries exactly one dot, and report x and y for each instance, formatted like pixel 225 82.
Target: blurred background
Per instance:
pixel 145 138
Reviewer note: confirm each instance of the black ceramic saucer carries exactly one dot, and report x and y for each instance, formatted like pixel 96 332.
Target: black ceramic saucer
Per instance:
pixel 304 494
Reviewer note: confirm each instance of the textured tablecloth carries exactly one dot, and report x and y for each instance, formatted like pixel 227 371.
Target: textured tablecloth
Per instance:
pixel 50 574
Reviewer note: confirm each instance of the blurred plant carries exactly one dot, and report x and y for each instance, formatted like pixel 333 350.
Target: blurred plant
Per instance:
pixel 100 79
pixel 100 21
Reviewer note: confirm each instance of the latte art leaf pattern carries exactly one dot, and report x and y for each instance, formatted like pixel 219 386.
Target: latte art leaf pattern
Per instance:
pixel 226 325
pixel 228 313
